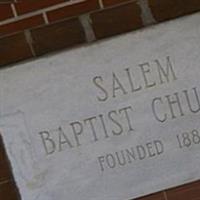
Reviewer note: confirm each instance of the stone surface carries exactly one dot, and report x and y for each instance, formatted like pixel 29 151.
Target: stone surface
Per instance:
pixel 115 120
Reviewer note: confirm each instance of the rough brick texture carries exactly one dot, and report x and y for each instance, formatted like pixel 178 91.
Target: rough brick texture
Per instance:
pixel 57 36
pixel 157 196
pixel 107 18
pixel 5 11
pixel 5 174
pixel 14 48
pixel 23 7
pixel 73 10
pixel 116 20
pixel 6 1
pixel 8 191
pixel 21 25
pixel 113 2
pixel 187 192
pixel 190 6
pixel 169 9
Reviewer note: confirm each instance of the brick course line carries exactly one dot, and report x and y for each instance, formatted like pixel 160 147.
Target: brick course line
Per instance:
pixel 1 102
pixel 101 3
pixel 40 11
pixel 13 10
pixel 29 40
pixel 86 23
pixel 45 18
pixel 165 195
pixel 146 14
pixel 4 182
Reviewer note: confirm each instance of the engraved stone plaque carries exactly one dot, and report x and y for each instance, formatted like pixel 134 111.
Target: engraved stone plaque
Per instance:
pixel 114 120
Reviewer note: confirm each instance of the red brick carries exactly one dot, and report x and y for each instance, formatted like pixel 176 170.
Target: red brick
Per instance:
pixel 190 6
pixel 166 9
pixel 186 192
pixel 57 36
pixel 116 20
pixel 13 48
pixel 20 25
pixel 5 11
pixel 169 9
pixel 8 191
pixel 5 173
pixel 6 1
pixel 2 151
pixel 73 10
pixel 157 196
pixel 113 2
pixel 33 5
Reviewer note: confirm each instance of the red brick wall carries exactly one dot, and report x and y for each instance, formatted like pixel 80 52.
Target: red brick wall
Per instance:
pixel 37 27
pixel 31 28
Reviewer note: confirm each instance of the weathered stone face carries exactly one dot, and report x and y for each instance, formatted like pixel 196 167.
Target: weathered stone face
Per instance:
pixel 111 121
